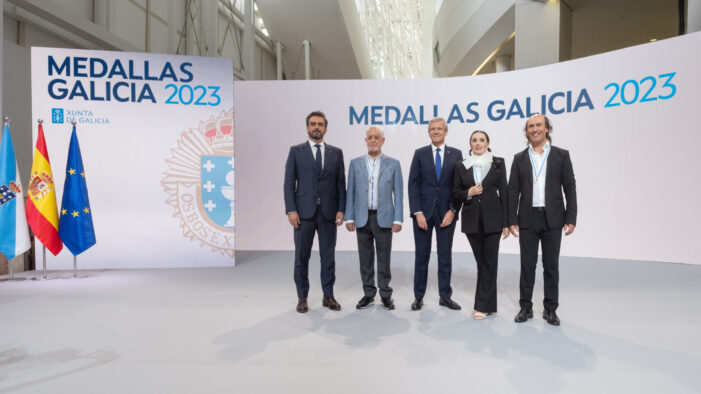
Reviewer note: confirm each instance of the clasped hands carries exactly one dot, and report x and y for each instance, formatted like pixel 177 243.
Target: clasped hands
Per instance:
pixel 293 218
pixel 447 220
pixel 395 227
pixel 567 228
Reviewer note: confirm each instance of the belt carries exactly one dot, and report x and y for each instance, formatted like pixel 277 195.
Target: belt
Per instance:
pixel 539 209
pixel 372 211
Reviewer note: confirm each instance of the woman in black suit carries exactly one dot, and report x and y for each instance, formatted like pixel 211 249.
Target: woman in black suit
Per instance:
pixel 479 185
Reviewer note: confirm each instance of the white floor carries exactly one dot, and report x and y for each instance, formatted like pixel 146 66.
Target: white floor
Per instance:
pixel 627 327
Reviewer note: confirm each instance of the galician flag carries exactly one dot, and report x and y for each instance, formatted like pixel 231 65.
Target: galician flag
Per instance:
pixel 42 214
pixel 75 224
pixel 14 234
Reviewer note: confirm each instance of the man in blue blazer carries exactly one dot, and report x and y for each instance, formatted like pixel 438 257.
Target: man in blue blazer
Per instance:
pixel 315 200
pixel 430 186
pixel 374 207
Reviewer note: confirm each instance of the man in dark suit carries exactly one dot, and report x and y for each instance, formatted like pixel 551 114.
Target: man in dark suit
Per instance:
pixel 537 212
pixel 315 201
pixel 430 187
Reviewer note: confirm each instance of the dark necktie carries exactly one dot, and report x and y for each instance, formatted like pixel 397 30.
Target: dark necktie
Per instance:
pixel 438 164
pixel 318 158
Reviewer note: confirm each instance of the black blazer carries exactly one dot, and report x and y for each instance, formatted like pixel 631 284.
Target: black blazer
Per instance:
pixel 492 202
pixel 304 186
pixel 559 177
pixel 426 193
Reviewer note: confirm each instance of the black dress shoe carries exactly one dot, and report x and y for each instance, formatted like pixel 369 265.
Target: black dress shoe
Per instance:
pixel 365 302
pixel 302 306
pixel 388 303
pixel 331 303
pixel 551 318
pixel 523 315
pixel 449 303
pixel 417 304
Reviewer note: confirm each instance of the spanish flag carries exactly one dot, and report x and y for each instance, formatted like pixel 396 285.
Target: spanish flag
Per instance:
pixel 42 214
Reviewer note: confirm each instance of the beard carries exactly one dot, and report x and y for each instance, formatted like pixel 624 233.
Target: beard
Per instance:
pixel 315 134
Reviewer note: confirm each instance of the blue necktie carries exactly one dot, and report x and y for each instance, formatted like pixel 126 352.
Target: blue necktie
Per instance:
pixel 438 163
pixel 318 158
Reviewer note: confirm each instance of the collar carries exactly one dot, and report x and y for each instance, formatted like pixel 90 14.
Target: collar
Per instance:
pixel 367 156
pixel 433 148
pixel 545 148
pixel 312 143
pixel 481 160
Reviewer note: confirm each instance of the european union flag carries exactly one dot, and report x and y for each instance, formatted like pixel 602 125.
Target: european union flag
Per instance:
pixel 75 226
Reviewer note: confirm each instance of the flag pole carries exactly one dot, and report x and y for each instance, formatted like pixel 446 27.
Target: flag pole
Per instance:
pixel 9 261
pixel 11 274
pixel 75 258
pixel 44 259
pixel 43 247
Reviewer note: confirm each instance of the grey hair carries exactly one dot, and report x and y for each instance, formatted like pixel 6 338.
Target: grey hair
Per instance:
pixel 382 133
pixel 438 119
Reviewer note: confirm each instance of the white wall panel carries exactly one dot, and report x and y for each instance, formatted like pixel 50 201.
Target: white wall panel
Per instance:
pixel 634 163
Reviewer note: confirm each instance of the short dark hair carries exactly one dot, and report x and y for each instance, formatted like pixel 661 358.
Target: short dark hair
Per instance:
pixel 548 126
pixel 319 114
pixel 485 134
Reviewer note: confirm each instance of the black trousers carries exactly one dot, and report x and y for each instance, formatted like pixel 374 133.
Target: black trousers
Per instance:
pixel 485 247
pixel 373 236
pixel 304 238
pixel 444 244
pixel 550 239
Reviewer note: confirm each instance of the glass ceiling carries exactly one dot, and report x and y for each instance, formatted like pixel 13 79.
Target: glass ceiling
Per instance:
pixel 394 32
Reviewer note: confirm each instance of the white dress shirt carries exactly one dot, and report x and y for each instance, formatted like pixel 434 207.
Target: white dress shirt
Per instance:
pixel 373 167
pixel 539 159
pixel 323 151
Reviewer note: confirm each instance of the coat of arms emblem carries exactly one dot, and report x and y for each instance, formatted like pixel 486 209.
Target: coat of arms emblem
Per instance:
pixel 199 182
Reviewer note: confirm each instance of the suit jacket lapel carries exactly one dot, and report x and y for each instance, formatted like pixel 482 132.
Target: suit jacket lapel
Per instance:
pixel 489 174
pixel 364 171
pixel 529 166
pixel 470 174
pixel 548 166
pixel 325 159
pixel 310 154
pixel 444 162
pixel 429 154
pixel 384 162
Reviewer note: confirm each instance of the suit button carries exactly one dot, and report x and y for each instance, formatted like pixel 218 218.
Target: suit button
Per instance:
pixel 436 189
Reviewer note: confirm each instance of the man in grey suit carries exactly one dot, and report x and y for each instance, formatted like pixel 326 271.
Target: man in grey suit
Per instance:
pixel 374 205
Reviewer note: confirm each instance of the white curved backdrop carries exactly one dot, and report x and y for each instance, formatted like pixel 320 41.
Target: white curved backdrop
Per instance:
pixel 629 119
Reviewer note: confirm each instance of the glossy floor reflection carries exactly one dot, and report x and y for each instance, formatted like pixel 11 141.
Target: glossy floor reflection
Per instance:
pixel 626 327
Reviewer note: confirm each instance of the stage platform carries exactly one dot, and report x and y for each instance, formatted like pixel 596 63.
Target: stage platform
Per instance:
pixel 627 326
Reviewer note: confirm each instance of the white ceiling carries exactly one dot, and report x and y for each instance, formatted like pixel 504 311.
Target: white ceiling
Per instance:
pixel 322 22
pixel 319 21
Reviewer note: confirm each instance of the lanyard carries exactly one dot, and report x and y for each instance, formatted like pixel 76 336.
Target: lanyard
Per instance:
pixel 371 173
pixel 371 177
pixel 474 172
pixel 545 158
